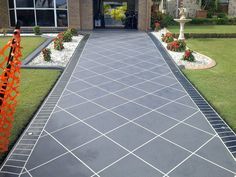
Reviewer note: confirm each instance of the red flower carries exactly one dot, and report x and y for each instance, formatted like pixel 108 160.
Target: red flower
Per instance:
pixel 187 53
pixel 157 24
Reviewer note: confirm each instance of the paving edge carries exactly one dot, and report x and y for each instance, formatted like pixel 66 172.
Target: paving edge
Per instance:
pixel 226 134
pixel 23 148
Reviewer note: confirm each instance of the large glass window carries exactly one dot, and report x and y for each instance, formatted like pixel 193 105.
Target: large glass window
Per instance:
pixel 49 13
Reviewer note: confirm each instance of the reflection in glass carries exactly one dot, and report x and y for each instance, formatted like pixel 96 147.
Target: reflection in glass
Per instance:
pixel 44 3
pixel 61 4
pixel 45 17
pixel 62 20
pixel 11 3
pixel 26 17
pixel 12 18
pixel 24 3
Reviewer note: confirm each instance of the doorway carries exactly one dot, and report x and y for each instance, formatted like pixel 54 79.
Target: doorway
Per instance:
pixel 115 14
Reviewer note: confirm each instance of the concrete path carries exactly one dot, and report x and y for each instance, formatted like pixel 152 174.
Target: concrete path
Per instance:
pixel 124 114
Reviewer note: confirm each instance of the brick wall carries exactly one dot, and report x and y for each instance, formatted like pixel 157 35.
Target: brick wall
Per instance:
pixel 86 12
pixel 4 18
pixel 144 14
pixel 232 8
pixel 74 14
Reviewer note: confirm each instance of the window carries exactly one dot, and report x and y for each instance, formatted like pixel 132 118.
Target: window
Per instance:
pixel 47 13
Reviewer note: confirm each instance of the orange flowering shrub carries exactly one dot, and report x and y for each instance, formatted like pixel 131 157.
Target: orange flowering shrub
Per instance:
pixel 168 37
pixel 177 46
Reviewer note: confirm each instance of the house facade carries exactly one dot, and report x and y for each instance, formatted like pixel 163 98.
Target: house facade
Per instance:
pixel 53 14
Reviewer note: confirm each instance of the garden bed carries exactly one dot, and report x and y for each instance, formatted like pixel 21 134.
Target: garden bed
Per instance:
pixel 58 58
pixel 201 61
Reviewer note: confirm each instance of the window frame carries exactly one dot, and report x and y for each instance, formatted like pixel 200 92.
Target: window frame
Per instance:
pixel 54 9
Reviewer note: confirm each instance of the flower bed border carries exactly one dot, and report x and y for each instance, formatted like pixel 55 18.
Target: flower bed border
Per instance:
pixel 189 66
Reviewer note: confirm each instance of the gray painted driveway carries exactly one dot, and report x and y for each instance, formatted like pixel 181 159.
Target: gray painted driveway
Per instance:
pixel 124 114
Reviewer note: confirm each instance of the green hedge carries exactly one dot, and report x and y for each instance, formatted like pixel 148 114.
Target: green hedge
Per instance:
pixel 213 21
pixel 207 35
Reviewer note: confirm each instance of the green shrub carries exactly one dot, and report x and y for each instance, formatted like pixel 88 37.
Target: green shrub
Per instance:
pixel 46 54
pixel 164 20
pixel 74 31
pixel 207 35
pixel 67 36
pixel 214 21
pixel 37 30
pixel 221 15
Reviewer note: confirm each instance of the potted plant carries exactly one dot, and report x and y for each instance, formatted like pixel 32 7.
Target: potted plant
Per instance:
pixel 202 13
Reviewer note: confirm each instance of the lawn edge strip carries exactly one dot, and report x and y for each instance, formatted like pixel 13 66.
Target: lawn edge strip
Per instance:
pixel 31 135
pixel 225 133
pixel 37 51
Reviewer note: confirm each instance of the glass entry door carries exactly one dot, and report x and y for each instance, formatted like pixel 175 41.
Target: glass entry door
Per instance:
pixel 115 14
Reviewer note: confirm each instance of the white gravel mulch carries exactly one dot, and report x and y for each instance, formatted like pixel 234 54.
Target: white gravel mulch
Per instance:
pixel 59 58
pixel 201 61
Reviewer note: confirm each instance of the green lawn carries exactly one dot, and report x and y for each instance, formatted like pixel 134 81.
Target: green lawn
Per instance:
pixel 29 44
pixel 218 84
pixel 35 85
pixel 205 29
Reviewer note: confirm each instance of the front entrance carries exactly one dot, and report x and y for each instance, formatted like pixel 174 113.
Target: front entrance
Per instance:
pixel 115 14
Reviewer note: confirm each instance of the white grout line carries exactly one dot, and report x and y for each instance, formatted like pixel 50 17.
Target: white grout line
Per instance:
pixel 71 153
pixel 193 153
pixel 7 172
pixel 129 121
pixel 133 86
pixel 133 101
pixel 28 172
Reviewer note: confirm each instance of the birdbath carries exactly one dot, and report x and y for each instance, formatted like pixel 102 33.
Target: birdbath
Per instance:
pixel 182 20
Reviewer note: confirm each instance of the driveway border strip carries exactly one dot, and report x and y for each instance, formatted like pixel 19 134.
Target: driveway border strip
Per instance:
pixel 225 133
